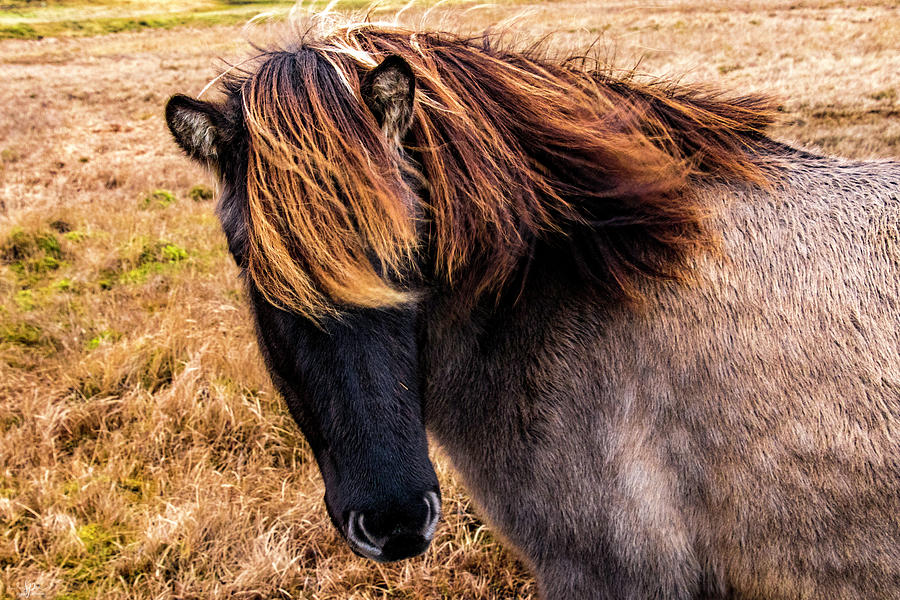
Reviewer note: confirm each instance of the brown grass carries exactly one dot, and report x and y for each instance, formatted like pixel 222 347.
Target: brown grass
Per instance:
pixel 143 453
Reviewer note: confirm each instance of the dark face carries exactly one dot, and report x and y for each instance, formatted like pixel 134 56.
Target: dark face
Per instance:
pixel 350 382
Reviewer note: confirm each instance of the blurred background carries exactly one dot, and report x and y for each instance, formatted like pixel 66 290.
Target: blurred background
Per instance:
pixel 143 452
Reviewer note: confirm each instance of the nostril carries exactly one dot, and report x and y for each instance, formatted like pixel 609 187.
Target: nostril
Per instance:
pixel 373 539
pixel 359 535
pixel 432 516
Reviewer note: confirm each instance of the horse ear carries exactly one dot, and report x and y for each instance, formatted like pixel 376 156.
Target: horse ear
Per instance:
pixel 196 126
pixel 389 91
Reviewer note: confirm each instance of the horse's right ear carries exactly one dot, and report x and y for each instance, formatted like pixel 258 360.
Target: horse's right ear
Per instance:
pixel 196 126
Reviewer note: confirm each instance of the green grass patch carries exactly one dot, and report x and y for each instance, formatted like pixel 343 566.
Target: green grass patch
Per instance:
pixel 70 488
pixel 159 199
pixel 24 299
pixel 31 255
pixel 75 236
pixel 159 256
pixel 91 570
pixel 136 489
pixel 22 334
pixel 63 285
pixel 99 542
pixel 100 339
pixel 162 252
pixel 200 193
pixel 21 244
pixel 20 31
pixel 155 258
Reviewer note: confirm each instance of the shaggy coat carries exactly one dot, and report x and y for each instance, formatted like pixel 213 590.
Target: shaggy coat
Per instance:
pixel 734 438
pixel 660 349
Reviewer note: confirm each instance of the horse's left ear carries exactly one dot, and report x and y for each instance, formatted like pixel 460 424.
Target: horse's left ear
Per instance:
pixel 196 126
pixel 389 91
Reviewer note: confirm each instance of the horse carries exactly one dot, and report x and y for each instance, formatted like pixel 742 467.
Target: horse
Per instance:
pixel 660 348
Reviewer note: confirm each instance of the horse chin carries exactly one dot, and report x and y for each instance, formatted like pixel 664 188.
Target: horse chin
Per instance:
pixel 397 549
pixel 409 549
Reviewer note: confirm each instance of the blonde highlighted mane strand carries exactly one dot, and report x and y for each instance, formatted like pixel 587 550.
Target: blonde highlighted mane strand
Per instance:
pixel 514 147
pixel 325 195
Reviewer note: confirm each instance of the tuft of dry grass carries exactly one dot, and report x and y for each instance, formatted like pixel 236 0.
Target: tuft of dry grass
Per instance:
pixel 143 452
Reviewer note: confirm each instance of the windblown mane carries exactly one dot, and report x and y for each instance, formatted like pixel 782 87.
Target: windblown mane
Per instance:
pixel 512 146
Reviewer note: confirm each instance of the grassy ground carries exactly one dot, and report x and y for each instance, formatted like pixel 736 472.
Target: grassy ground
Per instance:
pixel 143 453
pixel 37 20
pixel 32 20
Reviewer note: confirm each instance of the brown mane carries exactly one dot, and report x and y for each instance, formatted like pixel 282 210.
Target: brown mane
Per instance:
pixel 513 147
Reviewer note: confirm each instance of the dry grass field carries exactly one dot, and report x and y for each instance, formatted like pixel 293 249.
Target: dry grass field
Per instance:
pixel 143 452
